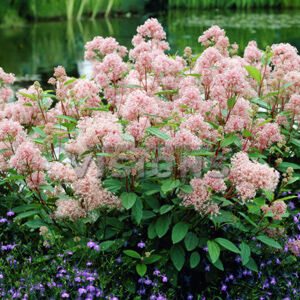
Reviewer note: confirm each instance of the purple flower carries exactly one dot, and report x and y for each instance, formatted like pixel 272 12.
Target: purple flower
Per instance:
pixel 90 288
pixel 190 297
pixel 97 247
pixel 141 244
pixel 90 278
pixel 238 259
pixel 273 281
pixel 1 276
pixel 295 219
pixel 164 278
pixel 91 244
pixel 205 248
pixel 69 252
pixel 156 272
pixel 119 260
pixel 89 263
pixel 278 261
pixel 148 281
pixel 65 295
pixel 10 213
pixel 82 291
pixel 3 220
pixel 207 268
pixel 224 287
pixel 77 279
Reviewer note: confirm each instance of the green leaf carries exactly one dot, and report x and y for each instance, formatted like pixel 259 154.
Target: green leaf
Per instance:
pixel 132 254
pixel 137 210
pixel 165 208
pixel 251 265
pixel 245 253
pixel 169 185
pixel 131 86
pixel 268 241
pixel 151 259
pixel 27 214
pixel 104 154
pixel 255 73
pixel 219 265
pixel 263 122
pixel 155 131
pixel 152 231
pixel 229 140
pixel 227 245
pixel 106 245
pixel 248 219
pixel 177 255
pixel 179 231
pixel 28 96
pixel 231 102
pixel 113 185
pixel 194 259
pixel 295 142
pixel 128 199
pixel 284 165
pixel 186 189
pixel 162 225
pixel 63 117
pixel 35 223
pixel 166 92
pixel 213 250
pixel 127 137
pixel 141 269
pixel 70 81
pixel 191 241
pixel 260 103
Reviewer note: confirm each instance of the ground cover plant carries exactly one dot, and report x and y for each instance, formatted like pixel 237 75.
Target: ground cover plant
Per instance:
pixel 160 177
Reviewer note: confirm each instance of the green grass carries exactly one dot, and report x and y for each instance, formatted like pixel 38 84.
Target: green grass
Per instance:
pixel 244 4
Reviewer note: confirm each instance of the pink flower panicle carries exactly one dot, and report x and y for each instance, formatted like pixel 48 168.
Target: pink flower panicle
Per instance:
pixel 278 209
pixel 248 176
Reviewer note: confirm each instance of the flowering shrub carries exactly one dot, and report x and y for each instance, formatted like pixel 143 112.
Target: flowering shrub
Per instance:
pixel 190 153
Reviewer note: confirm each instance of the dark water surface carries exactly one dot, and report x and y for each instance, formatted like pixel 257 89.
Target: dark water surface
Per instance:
pixel 35 49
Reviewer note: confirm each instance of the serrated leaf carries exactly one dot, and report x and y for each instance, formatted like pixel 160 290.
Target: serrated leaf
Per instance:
pixel 268 241
pixel 231 102
pixel 132 253
pixel 254 72
pixel 191 241
pixel 165 208
pixel 251 265
pixel 106 245
pixel 194 259
pixel 229 140
pixel 177 255
pixel 137 210
pixel 227 245
pixel 128 199
pixel 141 269
pixel 213 250
pixel 245 253
pixel 155 131
pixel 179 231
pixel 162 225
pixel 27 214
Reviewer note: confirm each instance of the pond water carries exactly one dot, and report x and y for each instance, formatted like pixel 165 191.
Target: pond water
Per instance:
pixel 32 51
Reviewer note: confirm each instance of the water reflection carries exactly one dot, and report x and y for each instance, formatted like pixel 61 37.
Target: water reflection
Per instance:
pixel 37 48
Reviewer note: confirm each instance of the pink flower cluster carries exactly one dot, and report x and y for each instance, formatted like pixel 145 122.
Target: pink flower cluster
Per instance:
pixel 200 198
pixel 5 91
pixel 278 209
pixel 248 176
